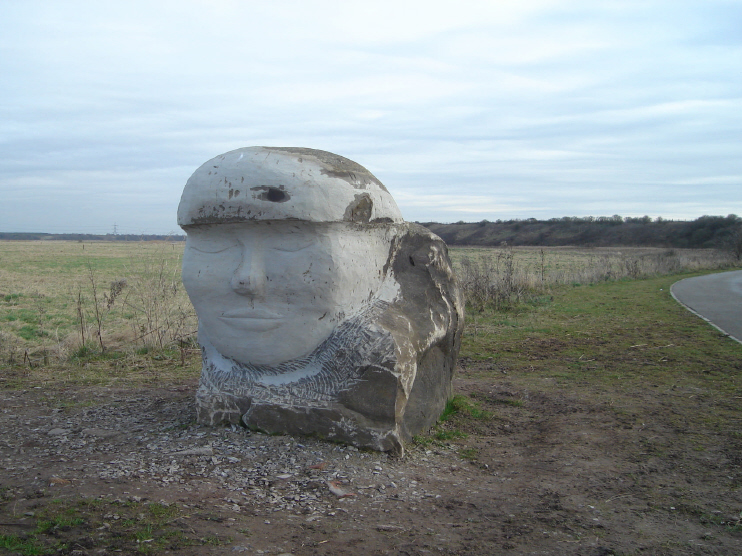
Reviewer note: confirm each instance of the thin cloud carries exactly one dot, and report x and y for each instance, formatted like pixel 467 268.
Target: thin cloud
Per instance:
pixel 468 111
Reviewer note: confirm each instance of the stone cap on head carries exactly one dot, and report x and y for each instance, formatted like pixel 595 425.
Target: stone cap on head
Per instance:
pixel 284 183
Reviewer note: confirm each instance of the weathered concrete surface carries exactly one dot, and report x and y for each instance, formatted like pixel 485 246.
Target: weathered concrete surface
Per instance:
pixel 327 316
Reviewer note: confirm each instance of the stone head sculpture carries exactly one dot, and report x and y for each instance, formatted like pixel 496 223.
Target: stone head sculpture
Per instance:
pixel 320 310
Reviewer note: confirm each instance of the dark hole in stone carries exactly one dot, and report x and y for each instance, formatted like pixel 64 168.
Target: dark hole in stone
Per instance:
pixel 275 195
pixel 271 194
pixel 412 261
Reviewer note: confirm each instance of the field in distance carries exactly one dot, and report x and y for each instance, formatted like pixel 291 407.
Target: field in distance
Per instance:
pixel 103 302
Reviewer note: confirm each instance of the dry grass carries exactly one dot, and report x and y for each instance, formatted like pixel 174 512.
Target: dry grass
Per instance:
pixel 503 277
pixel 73 302
pixel 93 310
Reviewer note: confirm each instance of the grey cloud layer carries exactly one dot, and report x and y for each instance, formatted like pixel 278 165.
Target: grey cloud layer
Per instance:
pixel 466 110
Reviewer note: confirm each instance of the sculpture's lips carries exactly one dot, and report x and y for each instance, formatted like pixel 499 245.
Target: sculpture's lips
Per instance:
pixel 251 321
pixel 250 315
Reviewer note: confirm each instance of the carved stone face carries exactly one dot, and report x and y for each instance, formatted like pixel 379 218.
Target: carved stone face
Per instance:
pixel 283 245
pixel 270 292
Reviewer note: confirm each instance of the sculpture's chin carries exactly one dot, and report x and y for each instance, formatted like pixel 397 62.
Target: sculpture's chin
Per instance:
pixel 263 351
pixel 260 359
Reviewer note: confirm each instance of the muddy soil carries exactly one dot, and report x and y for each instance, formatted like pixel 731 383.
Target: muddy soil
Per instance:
pixel 549 474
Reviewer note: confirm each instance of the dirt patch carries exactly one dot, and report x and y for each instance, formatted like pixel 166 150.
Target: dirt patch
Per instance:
pixel 546 474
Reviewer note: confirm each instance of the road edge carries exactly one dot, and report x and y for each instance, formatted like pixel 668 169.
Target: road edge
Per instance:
pixel 672 293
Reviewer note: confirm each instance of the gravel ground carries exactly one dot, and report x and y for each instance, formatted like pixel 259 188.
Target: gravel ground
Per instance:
pixel 139 446
pixel 565 477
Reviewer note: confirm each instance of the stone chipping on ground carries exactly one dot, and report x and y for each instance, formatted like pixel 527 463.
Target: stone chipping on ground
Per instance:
pixel 156 444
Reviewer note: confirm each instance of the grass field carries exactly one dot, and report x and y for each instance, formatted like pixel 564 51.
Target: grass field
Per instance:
pixel 607 411
pixel 506 277
pixel 619 380
pixel 63 303
pixel 90 306
pixel 558 265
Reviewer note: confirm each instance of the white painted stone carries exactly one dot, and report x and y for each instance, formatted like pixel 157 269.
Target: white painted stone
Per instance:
pixel 320 310
pixel 274 183
pixel 267 292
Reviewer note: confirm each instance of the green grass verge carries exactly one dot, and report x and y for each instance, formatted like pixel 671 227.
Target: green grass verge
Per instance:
pixel 602 343
pixel 617 334
pixel 103 525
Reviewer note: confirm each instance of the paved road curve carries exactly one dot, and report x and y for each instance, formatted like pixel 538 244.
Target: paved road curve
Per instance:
pixel 715 297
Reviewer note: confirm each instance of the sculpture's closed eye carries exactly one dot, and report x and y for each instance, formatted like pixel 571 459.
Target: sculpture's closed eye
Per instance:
pixel 212 247
pixel 289 246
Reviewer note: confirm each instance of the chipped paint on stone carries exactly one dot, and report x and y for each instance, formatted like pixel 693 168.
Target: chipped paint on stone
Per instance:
pixel 360 209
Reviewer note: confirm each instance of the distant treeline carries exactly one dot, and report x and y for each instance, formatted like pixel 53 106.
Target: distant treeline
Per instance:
pixel 602 231
pixel 91 237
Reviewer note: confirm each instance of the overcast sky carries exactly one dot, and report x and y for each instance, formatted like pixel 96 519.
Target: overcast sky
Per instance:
pixel 466 110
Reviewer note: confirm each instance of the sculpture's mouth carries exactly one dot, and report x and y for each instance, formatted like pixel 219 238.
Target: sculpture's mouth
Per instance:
pixel 254 321
pixel 252 314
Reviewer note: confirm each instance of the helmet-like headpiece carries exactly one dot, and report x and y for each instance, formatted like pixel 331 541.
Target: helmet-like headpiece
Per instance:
pixel 274 183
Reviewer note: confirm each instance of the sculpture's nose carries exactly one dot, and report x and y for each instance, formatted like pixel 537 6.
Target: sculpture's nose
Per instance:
pixel 249 278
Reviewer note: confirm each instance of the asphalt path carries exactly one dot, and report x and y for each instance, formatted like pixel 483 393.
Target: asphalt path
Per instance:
pixel 716 298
